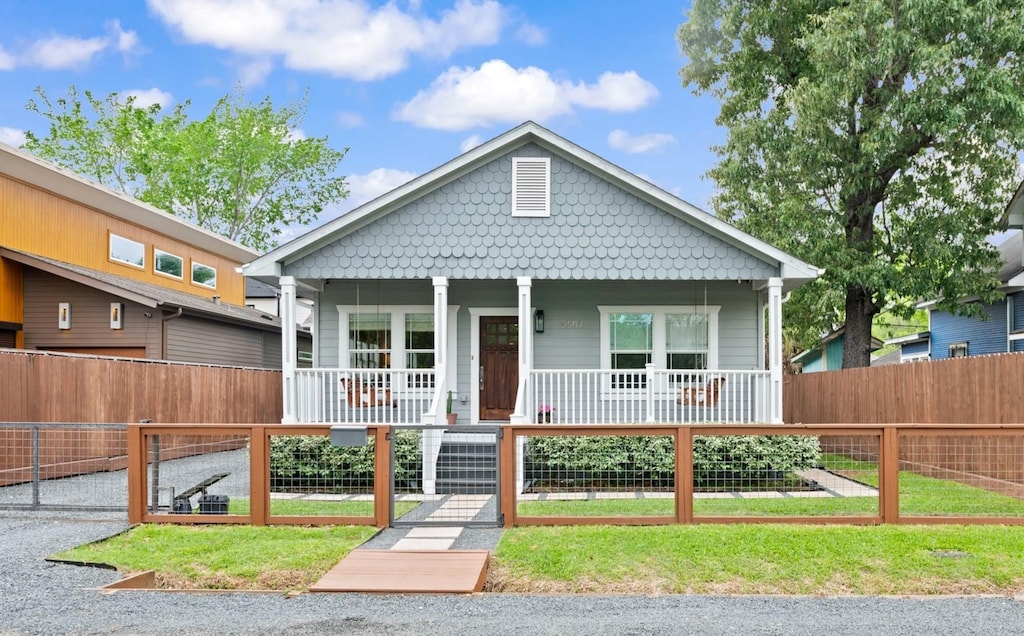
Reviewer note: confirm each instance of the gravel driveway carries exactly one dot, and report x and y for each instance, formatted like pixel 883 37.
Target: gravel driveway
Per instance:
pixel 37 597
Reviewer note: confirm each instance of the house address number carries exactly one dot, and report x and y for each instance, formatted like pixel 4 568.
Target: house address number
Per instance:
pixel 572 324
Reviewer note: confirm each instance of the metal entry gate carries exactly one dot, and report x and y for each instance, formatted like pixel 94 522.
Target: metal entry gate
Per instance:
pixel 445 476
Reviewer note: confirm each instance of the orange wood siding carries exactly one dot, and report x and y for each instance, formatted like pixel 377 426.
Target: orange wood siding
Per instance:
pixel 38 222
pixel 11 291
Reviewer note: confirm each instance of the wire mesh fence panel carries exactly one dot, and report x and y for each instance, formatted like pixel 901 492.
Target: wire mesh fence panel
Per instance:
pixel 785 475
pixel 962 474
pixel 63 466
pixel 596 476
pixel 197 474
pixel 312 477
pixel 445 476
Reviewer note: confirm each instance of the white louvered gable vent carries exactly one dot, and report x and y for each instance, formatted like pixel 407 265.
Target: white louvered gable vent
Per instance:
pixel 531 186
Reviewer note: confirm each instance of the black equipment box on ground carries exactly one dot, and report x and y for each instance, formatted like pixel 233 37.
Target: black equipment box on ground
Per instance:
pixel 213 504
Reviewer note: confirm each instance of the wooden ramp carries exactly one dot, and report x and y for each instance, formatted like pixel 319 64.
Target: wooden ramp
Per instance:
pixel 407 571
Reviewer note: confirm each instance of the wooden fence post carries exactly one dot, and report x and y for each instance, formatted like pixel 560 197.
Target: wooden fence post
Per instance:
pixel 259 476
pixel 382 475
pixel 136 475
pixel 684 474
pixel 889 475
pixel 507 476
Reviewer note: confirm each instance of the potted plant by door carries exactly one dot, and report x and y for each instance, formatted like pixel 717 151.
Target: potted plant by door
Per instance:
pixel 451 416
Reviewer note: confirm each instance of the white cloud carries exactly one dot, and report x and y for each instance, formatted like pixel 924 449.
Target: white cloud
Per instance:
pixel 531 34
pixel 622 140
pixel 60 52
pixel 123 41
pixel 67 52
pixel 350 119
pixel 12 136
pixel 6 60
pixel 462 98
pixel 255 72
pixel 146 97
pixel 296 134
pixel 369 186
pixel 616 92
pixel 346 38
pixel 469 143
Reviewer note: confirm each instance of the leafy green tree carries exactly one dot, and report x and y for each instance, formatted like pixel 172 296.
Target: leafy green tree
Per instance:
pixel 876 138
pixel 242 172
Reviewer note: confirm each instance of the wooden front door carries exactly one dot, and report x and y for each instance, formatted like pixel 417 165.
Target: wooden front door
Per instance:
pixel 499 366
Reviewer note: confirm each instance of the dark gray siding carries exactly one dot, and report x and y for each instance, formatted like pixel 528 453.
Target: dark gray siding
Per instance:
pixel 194 340
pixel 90 317
pixel 464 229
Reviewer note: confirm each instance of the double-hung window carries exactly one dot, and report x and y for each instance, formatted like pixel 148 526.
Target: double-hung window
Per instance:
pixel 682 337
pixel 393 337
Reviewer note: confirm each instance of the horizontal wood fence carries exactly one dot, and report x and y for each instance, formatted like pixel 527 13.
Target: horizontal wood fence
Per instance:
pixel 42 387
pixel 980 390
pixel 53 387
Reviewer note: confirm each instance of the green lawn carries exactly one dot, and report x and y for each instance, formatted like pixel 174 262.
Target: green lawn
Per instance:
pixel 226 556
pixel 761 559
pixel 919 495
pixel 314 508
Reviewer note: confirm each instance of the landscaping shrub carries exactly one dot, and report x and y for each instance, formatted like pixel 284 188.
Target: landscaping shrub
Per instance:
pixel 652 458
pixel 301 462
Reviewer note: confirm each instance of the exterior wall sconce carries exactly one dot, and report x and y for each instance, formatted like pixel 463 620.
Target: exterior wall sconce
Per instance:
pixel 116 315
pixel 64 315
pixel 538 321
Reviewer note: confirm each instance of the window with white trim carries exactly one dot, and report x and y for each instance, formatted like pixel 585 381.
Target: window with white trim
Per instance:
pixel 127 251
pixel 958 350
pixel 393 337
pixel 167 264
pixel 682 337
pixel 204 275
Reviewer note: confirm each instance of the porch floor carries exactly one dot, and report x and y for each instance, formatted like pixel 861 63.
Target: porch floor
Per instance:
pixel 407 571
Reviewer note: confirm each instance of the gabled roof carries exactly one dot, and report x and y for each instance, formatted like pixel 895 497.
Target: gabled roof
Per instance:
pixel 1014 214
pixel 876 344
pixel 269 265
pixel 34 171
pixel 145 294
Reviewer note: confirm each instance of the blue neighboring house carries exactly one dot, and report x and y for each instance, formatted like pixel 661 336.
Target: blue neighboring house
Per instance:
pixel 1001 330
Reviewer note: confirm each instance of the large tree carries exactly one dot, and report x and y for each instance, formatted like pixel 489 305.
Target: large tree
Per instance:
pixel 877 138
pixel 244 171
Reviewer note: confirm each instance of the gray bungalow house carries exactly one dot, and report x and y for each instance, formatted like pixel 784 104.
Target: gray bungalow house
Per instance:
pixel 531 280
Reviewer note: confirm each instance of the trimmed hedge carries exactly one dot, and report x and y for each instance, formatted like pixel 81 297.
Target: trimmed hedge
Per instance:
pixel 738 456
pixel 299 462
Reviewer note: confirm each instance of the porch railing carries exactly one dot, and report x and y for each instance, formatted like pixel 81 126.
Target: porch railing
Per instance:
pixel 364 396
pixel 603 396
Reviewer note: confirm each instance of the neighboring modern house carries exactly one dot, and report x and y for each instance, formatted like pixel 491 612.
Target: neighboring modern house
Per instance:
pixel 86 270
pixel 1000 330
pixel 827 355
pixel 531 275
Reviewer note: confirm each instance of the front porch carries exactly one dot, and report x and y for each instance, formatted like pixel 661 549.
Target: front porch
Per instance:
pixel 488 360
pixel 575 396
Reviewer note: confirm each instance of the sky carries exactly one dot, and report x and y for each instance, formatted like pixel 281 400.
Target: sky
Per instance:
pixel 405 85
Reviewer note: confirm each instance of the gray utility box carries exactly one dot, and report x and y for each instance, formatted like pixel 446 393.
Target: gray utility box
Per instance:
pixel 348 435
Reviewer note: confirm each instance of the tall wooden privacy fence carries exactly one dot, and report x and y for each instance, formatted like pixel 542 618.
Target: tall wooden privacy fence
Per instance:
pixel 40 387
pixel 50 387
pixel 982 390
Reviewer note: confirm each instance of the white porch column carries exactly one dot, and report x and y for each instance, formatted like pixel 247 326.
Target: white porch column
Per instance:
pixel 431 444
pixel 775 349
pixel 440 326
pixel 525 326
pixel 289 350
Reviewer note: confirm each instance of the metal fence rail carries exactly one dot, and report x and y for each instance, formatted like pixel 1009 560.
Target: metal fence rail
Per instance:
pixel 63 466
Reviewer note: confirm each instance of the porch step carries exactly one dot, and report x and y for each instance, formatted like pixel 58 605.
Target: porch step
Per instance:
pixel 467 468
